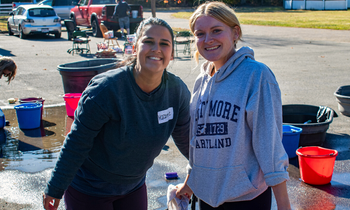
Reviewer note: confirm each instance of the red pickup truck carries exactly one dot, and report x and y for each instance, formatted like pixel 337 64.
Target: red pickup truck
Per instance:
pixel 91 13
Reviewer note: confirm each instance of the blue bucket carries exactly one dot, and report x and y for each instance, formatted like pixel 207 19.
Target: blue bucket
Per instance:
pixel 2 119
pixel 290 140
pixel 28 115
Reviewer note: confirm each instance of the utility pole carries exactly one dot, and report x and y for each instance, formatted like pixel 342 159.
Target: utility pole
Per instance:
pixel 153 8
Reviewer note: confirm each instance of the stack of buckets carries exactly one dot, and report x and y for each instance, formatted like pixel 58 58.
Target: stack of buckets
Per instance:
pixel 29 113
pixel 71 101
pixel 34 100
pixel 316 164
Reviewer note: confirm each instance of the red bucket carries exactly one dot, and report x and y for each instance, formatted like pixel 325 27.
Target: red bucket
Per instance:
pixel 71 100
pixel 316 164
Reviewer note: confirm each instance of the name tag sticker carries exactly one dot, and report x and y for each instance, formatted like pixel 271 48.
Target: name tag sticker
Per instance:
pixel 165 115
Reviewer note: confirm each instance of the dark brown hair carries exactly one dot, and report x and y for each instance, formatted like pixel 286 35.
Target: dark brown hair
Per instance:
pixel 7 63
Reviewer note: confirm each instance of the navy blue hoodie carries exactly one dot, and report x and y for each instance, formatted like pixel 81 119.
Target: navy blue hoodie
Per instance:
pixel 119 129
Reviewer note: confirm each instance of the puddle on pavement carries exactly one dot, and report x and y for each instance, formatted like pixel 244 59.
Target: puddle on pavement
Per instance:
pixel 33 150
pixel 37 149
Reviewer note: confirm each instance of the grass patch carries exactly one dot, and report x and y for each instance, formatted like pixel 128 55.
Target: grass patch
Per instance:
pixel 277 16
pixel 3 23
pixel 175 30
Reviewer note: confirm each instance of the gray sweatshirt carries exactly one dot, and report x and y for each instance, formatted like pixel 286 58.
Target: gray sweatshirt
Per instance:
pixel 236 149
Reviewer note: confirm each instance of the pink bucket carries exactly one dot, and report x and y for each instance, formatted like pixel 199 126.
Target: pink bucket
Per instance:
pixel 71 100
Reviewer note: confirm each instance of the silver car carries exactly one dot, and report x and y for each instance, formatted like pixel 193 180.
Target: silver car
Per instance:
pixel 34 19
pixel 61 7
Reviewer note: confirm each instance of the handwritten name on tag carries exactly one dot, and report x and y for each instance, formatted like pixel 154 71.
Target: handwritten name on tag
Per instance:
pixel 165 115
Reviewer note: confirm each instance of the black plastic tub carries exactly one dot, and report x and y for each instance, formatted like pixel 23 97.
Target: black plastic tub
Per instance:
pixel 305 117
pixel 342 95
pixel 77 75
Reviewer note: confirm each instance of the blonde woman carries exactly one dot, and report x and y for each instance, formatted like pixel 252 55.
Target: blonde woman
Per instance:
pixel 236 151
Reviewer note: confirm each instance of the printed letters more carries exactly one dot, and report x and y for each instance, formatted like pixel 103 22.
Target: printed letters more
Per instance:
pixel 220 108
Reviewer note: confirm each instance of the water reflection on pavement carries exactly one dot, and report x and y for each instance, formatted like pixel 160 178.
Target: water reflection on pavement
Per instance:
pixel 33 150
pixel 28 156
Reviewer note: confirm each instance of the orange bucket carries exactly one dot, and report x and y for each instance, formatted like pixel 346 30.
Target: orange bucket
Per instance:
pixel 316 164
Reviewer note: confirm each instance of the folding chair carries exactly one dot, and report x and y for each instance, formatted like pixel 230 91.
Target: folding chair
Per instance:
pixel 104 29
pixel 80 38
pixel 183 38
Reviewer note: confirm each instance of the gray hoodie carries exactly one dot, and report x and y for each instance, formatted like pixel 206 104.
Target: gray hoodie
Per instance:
pixel 236 149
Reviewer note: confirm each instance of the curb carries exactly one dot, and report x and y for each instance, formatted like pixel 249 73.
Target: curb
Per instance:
pixel 45 106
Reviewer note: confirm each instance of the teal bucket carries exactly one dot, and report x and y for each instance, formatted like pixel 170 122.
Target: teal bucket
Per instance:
pixel 28 115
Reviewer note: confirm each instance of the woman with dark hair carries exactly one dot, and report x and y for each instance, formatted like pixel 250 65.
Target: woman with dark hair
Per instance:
pixel 124 118
pixel 8 68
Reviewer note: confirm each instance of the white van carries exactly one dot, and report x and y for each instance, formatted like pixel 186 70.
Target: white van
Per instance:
pixel 62 7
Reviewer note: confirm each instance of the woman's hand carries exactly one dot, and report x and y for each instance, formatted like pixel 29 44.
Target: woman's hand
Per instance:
pixel 50 203
pixel 183 190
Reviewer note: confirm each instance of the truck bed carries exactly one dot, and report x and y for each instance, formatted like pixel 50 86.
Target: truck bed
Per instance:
pixel 112 22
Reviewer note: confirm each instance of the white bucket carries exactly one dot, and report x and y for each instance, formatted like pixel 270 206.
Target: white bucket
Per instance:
pixel 134 13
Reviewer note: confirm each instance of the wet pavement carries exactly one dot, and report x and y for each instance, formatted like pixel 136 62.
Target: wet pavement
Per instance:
pixel 309 65
pixel 34 150
pixel 27 158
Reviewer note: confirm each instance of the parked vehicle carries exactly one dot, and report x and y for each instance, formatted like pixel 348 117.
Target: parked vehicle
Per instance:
pixel 61 7
pixel 34 19
pixel 90 13
pixel 20 3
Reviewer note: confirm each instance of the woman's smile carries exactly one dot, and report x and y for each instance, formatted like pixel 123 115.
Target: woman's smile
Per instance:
pixel 155 58
pixel 212 48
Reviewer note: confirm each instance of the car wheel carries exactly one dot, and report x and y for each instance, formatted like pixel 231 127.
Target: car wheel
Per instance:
pixel 9 29
pixel 21 33
pixel 96 32
pixel 58 35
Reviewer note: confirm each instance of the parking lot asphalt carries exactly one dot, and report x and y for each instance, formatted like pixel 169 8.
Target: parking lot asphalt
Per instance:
pixel 309 64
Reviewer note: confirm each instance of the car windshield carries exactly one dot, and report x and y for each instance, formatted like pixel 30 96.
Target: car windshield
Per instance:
pixel 45 2
pixel 41 12
pixel 104 1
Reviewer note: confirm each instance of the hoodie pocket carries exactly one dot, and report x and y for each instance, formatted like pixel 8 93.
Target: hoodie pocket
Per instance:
pixel 218 185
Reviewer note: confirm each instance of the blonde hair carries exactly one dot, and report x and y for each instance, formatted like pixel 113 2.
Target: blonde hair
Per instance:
pixel 7 63
pixel 221 12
